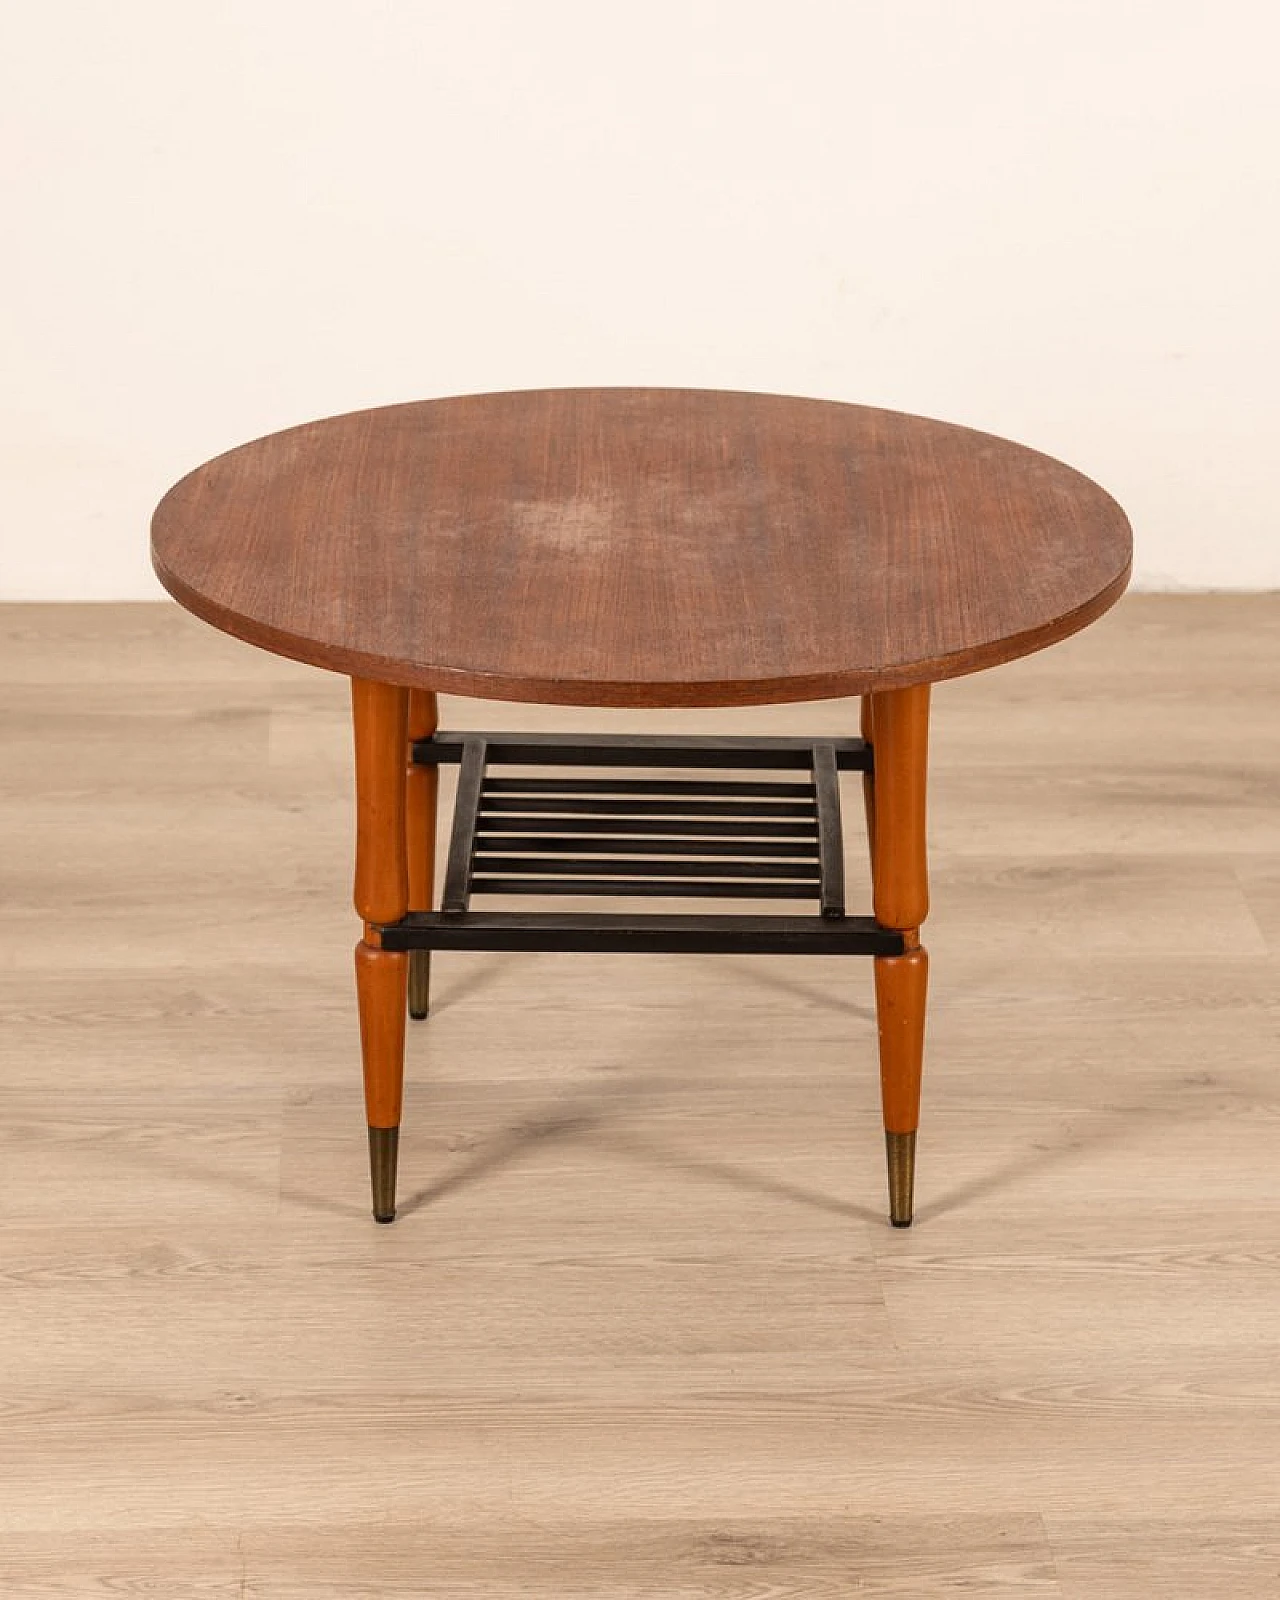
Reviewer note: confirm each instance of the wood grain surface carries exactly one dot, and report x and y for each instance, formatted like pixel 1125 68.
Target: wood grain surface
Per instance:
pixel 641 547
pixel 642 1328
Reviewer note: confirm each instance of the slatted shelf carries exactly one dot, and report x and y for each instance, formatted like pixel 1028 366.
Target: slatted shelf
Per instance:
pixel 614 834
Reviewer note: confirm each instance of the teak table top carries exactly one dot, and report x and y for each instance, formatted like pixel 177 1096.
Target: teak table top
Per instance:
pixel 641 547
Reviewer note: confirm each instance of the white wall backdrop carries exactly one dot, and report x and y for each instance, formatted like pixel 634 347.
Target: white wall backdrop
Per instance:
pixel 1055 219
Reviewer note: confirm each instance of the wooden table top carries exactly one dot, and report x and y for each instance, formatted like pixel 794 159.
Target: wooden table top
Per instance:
pixel 641 547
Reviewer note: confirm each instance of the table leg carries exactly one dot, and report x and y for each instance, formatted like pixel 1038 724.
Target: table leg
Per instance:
pixel 900 878
pixel 380 714
pixel 421 784
pixel 868 778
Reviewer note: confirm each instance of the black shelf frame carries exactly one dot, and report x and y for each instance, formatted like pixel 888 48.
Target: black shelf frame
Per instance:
pixel 594 834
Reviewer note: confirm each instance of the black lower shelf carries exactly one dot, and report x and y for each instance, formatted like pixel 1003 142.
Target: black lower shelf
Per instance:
pixel 605 833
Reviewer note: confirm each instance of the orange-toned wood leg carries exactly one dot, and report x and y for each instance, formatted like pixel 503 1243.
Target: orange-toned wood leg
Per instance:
pixel 868 778
pixel 380 991
pixel 380 718
pixel 900 884
pixel 421 785
pixel 900 867
pixel 901 988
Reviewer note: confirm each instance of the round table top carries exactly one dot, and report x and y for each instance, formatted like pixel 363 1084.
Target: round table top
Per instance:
pixel 641 547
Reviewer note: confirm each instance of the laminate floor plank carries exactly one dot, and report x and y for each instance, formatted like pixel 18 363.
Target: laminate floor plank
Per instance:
pixel 1259 879
pixel 1168 1559
pixel 986 1557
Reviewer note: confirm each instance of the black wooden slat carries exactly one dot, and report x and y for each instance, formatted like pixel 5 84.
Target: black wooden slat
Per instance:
pixel 694 827
pixel 457 877
pixel 590 806
pixel 689 889
pixel 728 788
pixel 830 835
pixel 653 868
pixel 799 849
pixel 643 750
pixel 662 932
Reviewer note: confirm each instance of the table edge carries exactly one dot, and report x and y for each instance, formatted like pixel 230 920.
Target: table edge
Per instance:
pixel 638 695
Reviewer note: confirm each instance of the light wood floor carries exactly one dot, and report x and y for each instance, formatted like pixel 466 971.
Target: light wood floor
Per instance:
pixel 642 1329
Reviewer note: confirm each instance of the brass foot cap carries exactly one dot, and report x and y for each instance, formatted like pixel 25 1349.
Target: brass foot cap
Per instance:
pixel 419 984
pixel 900 1149
pixel 383 1149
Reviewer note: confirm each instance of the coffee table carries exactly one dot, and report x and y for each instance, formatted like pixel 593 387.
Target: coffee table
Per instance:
pixel 643 548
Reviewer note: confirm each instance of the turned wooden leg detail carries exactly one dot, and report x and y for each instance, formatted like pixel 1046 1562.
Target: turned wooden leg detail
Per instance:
pixel 380 715
pixel 899 724
pixel 421 785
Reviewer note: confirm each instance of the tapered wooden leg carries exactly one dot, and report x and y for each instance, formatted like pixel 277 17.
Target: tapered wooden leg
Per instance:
pixel 899 720
pixel 421 785
pixel 901 985
pixel 380 718
pixel 380 990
